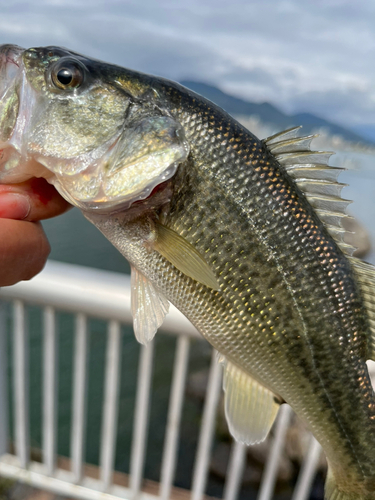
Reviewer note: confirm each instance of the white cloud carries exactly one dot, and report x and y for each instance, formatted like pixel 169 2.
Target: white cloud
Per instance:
pixel 302 56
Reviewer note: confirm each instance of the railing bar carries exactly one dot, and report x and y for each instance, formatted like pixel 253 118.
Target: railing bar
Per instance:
pixel 110 404
pixel 308 471
pixel 235 471
pixel 4 420
pixel 77 439
pixel 270 473
pixel 93 292
pixel 49 390
pixel 141 418
pixel 207 430
pixel 21 389
pixel 174 416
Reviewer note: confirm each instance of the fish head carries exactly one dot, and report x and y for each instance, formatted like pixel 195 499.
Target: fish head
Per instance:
pixel 91 129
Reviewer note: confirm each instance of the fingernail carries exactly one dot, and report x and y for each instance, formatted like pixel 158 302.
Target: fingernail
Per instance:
pixel 14 206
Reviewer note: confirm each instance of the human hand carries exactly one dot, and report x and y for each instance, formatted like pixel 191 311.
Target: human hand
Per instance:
pixel 24 247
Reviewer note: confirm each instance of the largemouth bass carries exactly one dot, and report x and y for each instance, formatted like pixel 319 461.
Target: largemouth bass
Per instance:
pixel 242 235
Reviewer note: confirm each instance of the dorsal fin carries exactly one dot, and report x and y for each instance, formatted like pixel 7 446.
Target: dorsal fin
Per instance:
pixel 292 144
pixel 284 135
pixel 316 179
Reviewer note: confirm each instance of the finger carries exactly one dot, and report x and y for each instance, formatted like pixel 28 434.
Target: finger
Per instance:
pixel 32 200
pixel 24 249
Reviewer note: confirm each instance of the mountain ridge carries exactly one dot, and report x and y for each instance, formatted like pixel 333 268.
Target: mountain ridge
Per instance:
pixel 270 114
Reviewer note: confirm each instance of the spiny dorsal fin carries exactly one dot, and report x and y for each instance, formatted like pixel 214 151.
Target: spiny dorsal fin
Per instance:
pixel 284 135
pixel 250 408
pixel 184 256
pixel 291 145
pixel 365 274
pixel 148 307
pixel 316 179
pixel 304 157
pixel 314 171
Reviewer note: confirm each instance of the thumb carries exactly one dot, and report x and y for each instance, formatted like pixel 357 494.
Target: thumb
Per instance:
pixel 14 205
pixel 32 200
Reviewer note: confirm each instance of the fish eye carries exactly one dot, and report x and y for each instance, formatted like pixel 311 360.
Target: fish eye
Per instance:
pixel 67 74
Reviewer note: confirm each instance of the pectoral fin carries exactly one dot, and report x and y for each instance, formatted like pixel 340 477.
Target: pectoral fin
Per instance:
pixel 184 256
pixel 148 307
pixel 250 408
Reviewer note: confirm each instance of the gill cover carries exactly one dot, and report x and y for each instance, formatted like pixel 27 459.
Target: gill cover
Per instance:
pixel 147 153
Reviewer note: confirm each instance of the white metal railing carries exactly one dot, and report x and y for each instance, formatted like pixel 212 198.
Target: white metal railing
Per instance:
pixel 93 293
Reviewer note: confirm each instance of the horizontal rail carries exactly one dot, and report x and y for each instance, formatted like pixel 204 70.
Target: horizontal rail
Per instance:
pixel 89 291
pixel 62 482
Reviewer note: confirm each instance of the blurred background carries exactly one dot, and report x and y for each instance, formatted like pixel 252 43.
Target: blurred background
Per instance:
pixel 272 64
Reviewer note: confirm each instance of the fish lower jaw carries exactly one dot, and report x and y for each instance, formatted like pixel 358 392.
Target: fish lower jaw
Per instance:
pixel 15 169
pixel 155 193
pixel 100 204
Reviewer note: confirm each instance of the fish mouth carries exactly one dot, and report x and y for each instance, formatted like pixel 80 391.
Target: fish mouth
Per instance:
pixel 10 73
pixel 10 53
pixel 10 62
pixel 12 114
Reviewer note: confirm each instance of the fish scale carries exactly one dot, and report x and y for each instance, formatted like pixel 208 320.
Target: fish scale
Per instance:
pixel 229 341
pixel 242 235
pixel 307 228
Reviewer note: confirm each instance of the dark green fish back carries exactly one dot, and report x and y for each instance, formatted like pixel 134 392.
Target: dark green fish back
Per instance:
pixel 289 311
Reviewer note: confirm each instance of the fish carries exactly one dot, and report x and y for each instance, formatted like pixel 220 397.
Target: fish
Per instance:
pixel 242 235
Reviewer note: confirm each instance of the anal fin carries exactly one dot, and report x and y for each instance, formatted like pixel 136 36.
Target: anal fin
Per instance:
pixel 148 307
pixel 250 408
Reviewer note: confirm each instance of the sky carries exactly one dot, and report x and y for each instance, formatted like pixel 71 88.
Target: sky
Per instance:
pixel 315 56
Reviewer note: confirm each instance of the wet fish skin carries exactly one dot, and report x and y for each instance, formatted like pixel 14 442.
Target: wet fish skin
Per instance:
pixel 277 312
pixel 288 314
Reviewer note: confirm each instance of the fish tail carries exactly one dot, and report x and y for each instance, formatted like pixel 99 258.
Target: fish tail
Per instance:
pixel 334 492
